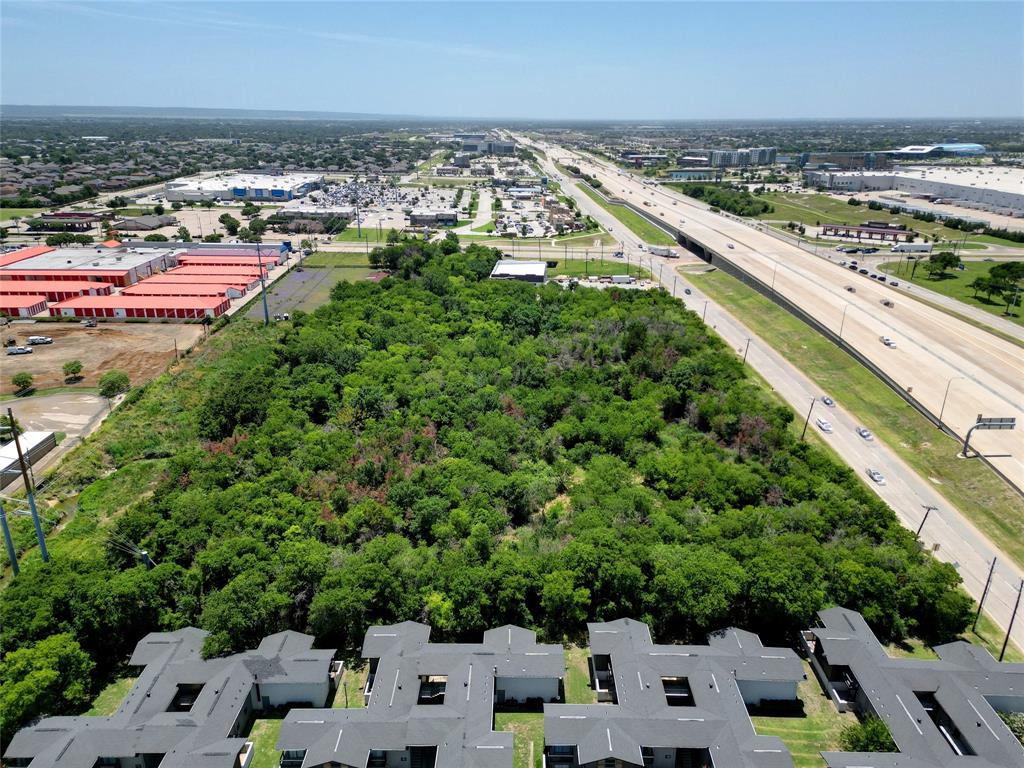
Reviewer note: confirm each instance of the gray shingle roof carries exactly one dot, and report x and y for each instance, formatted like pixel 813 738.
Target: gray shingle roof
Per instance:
pixel 203 737
pixel 963 681
pixel 641 717
pixel 460 728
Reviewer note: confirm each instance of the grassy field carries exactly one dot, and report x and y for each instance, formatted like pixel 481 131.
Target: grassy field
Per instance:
pixel 109 699
pixel 6 214
pixel 954 284
pixel 371 234
pixel 350 693
pixel 335 259
pixel 264 740
pixel 812 208
pixel 583 267
pixel 577 676
pixel 637 223
pixel 488 227
pixel 583 239
pixel 527 736
pixel 977 492
pixel 816 731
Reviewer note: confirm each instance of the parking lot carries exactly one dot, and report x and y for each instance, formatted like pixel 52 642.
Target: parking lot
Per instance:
pixel 142 350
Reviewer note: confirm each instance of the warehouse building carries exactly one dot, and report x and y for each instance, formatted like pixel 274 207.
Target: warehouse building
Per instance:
pixel 118 265
pixel 428 705
pixel 122 307
pixel 185 711
pixel 54 290
pixel 257 187
pixel 930 151
pixel 248 283
pixel 527 271
pixel 667 706
pixel 151 288
pixel 243 271
pixel 941 713
pixel 996 189
pixel 22 306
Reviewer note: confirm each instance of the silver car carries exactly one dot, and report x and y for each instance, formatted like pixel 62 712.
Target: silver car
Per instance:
pixel 876 476
pixel 865 433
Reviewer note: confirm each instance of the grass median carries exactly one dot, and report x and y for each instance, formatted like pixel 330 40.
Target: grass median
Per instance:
pixel 969 485
pixel 640 226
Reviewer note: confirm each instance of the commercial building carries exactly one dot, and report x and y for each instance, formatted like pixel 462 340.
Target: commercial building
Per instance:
pixel 428 705
pixel 870 230
pixel 34 445
pixel 487 146
pixel 22 306
pixel 996 189
pixel 645 159
pixel 523 193
pixel 424 218
pixel 53 290
pixel 184 711
pixel 941 713
pixel 122 307
pixel 68 221
pixel 847 161
pixel 724 158
pixel 668 706
pixel 258 187
pixel 233 270
pixel 118 265
pixel 695 174
pixel 527 271
pixel 929 151
pixel 246 283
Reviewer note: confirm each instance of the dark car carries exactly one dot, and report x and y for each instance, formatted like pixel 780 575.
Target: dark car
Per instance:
pixel 853 267
pixel 862 271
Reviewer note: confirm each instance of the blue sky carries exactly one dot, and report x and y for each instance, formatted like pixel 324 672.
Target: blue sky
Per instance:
pixel 543 60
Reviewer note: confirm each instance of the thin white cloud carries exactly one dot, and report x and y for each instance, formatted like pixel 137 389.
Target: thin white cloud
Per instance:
pixel 206 19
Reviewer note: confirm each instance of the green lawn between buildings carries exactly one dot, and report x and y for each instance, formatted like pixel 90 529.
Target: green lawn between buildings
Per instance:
pixel 6 214
pixel 954 284
pixel 527 736
pixel 643 229
pixel 109 699
pixel 812 208
pixel 976 491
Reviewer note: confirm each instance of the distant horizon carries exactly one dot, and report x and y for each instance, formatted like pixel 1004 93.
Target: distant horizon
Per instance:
pixel 343 115
pixel 554 61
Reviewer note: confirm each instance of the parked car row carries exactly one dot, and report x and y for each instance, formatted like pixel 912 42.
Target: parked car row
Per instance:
pixel 13 348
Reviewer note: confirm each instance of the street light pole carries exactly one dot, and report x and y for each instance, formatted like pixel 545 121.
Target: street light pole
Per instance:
pixel 928 509
pixel 704 314
pixel 745 350
pixel 944 396
pixel 842 324
pixel 807 420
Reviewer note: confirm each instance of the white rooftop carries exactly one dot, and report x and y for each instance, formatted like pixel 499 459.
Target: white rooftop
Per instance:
pixel 287 181
pixel 93 258
pixel 515 268
pixel 996 178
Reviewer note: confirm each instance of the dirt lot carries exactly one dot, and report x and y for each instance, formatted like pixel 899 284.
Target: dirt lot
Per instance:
pixel 141 350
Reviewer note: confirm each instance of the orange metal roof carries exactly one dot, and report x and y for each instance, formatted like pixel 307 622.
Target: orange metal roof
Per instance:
pixel 43 286
pixel 145 288
pixel 145 302
pixel 111 243
pixel 20 302
pixel 201 269
pixel 25 253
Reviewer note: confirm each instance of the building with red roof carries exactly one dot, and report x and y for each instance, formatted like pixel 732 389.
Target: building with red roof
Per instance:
pixel 154 307
pixel 22 306
pixel 149 288
pixel 54 290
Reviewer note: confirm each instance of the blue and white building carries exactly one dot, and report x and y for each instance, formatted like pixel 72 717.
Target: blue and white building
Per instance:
pixel 254 187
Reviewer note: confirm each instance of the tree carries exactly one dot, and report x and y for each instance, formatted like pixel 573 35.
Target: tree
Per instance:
pixel 72 370
pixel 22 380
pixel 177 206
pixel 214 237
pixel 48 677
pixel 207 204
pixel 564 604
pixel 113 383
pixel 249 210
pixel 183 235
pixel 6 433
pixel 258 227
pixel 158 209
pixel 871 735
pixel 156 237
pixel 230 223
pixel 979 283
pixel 939 263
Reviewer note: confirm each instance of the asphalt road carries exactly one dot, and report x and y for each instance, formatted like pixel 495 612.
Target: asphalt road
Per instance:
pixel 949 535
pixel 952 368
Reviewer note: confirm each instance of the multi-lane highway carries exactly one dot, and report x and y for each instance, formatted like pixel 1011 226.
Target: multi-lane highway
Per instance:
pixel 950 367
pixel 947 533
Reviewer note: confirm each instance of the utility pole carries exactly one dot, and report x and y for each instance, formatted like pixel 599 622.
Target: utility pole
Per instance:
pixel 928 509
pixel 984 594
pixel 745 350
pixel 807 420
pixel 704 314
pixel 263 286
pixel 12 556
pixel 29 491
pixel 1009 629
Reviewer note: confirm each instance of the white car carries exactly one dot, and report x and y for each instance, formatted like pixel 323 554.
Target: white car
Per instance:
pixel 19 350
pixel 887 341
pixel 865 433
pixel 876 476
pixel 824 425
pixel 33 340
